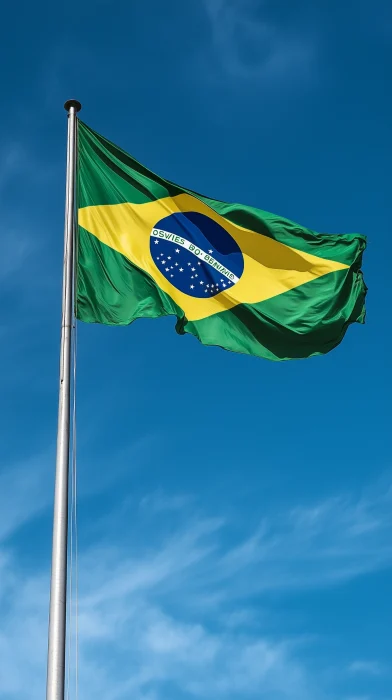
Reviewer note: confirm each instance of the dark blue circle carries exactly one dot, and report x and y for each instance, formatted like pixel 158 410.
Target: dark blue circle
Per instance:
pixel 188 270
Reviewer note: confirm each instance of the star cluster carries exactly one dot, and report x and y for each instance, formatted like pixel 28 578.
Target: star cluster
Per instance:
pixel 186 272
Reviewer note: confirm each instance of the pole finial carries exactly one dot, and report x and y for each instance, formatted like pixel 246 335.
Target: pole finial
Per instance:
pixel 72 103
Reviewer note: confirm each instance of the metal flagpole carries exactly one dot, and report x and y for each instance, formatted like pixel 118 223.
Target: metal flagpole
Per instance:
pixel 58 587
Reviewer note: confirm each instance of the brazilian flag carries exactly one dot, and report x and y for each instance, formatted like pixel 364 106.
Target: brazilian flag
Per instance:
pixel 234 276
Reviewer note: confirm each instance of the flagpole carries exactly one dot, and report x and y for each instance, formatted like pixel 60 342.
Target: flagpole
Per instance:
pixel 58 586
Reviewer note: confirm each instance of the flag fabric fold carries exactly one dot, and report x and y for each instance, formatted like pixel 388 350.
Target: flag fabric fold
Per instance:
pixel 234 276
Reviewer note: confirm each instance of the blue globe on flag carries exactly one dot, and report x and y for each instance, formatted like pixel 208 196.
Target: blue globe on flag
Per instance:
pixel 196 254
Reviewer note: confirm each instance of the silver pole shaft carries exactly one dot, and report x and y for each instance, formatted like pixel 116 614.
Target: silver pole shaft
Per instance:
pixel 58 587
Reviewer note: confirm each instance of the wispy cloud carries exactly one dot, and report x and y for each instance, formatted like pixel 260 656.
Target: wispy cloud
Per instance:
pixel 133 640
pixel 166 609
pixel 25 490
pixel 11 160
pixel 170 613
pixel 15 244
pixel 247 44
pixel 159 502
pixel 322 545
pixel 15 250
pixel 368 668
pixel 19 160
pixel 24 176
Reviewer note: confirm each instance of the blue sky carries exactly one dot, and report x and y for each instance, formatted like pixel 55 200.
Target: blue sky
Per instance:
pixel 235 519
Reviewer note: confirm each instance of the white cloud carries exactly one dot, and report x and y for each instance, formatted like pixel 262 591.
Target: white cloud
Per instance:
pixel 15 244
pixel 246 44
pixel 132 643
pixel 322 545
pixel 12 159
pixel 172 617
pixel 158 502
pixel 25 490
pixel 15 249
pixel 369 668
pixel 23 178
pixel 19 161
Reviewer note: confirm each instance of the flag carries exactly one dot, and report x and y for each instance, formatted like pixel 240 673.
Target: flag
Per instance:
pixel 234 276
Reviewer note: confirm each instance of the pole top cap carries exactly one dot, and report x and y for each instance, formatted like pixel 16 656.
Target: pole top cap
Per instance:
pixel 72 103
